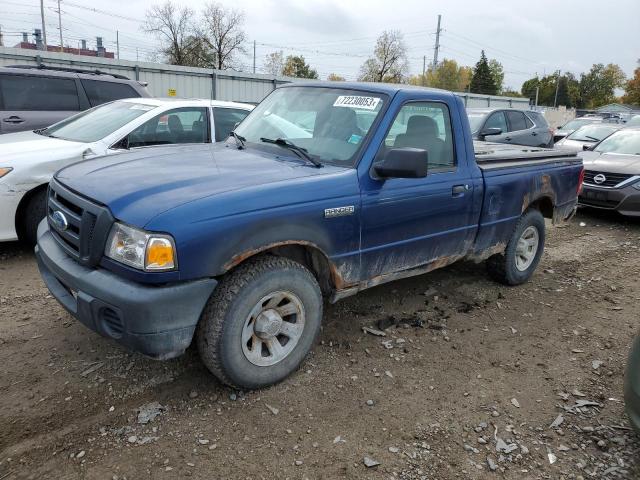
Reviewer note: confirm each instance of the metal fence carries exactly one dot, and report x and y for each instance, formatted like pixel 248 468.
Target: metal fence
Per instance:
pixel 189 82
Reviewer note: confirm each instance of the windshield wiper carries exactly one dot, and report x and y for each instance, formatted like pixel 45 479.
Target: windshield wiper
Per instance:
pixel 302 152
pixel 591 138
pixel 239 139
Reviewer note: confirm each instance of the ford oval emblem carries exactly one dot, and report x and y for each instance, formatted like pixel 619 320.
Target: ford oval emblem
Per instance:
pixel 600 178
pixel 59 220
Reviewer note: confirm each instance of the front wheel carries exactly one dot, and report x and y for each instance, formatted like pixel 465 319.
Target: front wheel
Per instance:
pixel 260 322
pixel 523 252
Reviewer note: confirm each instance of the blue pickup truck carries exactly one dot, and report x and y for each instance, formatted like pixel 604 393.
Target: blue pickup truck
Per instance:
pixel 324 190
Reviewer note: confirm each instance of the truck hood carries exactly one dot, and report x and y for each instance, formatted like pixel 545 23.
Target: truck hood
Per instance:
pixel 611 162
pixel 137 186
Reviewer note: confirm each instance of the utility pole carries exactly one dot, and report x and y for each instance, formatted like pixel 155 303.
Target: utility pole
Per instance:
pixel 424 69
pixel 117 44
pixel 254 56
pixel 1 44
pixel 44 32
pixel 555 100
pixel 537 91
pixel 437 47
pixel 60 26
pixel 136 54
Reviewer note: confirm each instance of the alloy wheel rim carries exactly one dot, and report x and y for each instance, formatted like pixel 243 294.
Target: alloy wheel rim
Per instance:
pixel 273 328
pixel 527 248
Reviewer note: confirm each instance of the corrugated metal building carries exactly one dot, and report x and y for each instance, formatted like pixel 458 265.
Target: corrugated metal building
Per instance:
pixel 189 82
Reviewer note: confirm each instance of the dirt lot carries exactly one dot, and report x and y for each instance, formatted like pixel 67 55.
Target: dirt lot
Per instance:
pixel 466 367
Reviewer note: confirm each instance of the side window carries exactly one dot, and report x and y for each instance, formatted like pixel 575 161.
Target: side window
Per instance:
pixel 225 119
pixel 497 120
pixel 22 92
pixel 181 125
pixel 427 126
pixel 516 121
pixel 102 92
pixel 529 122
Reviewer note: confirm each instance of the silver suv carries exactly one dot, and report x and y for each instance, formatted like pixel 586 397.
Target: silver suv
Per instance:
pixel 33 97
pixel 518 127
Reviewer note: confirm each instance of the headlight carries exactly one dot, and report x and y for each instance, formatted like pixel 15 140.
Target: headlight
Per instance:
pixel 4 171
pixel 145 251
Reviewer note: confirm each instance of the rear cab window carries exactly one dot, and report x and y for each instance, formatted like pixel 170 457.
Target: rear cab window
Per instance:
pixel 99 92
pixel 33 93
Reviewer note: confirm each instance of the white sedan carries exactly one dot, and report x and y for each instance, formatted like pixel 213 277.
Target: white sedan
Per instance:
pixel 28 160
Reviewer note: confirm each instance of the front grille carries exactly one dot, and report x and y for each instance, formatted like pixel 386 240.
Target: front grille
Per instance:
pixel 78 225
pixel 612 179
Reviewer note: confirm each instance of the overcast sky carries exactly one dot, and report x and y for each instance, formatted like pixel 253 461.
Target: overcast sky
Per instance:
pixel 527 37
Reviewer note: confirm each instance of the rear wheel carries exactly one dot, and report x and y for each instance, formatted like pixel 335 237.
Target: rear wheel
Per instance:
pixel 260 323
pixel 34 212
pixel 523 252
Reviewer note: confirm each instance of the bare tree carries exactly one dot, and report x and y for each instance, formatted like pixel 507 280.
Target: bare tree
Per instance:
pixel 174 27
pixel 222 33
pixel 274 63
pixel 389 61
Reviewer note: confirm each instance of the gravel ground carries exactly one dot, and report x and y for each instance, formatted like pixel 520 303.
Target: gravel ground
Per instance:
pixel 471 380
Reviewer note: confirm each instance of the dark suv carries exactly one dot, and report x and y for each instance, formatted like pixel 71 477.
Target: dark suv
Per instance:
pixel 519 127
pixel 33 97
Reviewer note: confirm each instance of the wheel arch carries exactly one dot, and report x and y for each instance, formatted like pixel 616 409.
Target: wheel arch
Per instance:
pixel 304 252
pixel 22 205
pixel 544 204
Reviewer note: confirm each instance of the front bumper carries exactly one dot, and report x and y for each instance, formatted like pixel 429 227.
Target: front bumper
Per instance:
pixel 632 385
pixel 624 200
pixel 157 321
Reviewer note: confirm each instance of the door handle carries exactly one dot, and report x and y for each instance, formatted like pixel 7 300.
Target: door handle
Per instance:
pixel 459 190
pixel 13 119
pixel 534 134
pixel 508 139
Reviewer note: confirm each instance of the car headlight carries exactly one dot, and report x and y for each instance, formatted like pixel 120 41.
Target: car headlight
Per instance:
pixel 151 252
pixel 4 171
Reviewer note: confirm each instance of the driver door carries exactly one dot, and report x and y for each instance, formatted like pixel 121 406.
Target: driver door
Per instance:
pixel 410 222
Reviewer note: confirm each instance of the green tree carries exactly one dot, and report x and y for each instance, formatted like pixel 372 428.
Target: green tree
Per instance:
pixel 497 73
pixel 334 77
pixel 295 66
pixel 597 87
pixel 482 80
pixel 632 89
pixel 568 90
pixel 510 92
pixel 448 75
pixel 389 62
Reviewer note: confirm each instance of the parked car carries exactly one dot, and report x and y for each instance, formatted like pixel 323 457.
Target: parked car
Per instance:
pixel 633 121
pixel 632 385
pixel 572 125
pixel 29 159
pixel 587 136
pixel 612 173
pixel 33 96
pixel 236 244
pixel 517 127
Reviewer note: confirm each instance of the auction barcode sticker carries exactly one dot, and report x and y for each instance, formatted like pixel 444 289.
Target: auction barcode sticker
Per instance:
pixel 356 101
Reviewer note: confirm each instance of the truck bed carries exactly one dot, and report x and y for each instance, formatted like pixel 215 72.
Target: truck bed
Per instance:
pixel 500 155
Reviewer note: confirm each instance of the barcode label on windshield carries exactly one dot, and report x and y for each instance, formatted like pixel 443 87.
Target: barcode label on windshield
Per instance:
pixel 356 101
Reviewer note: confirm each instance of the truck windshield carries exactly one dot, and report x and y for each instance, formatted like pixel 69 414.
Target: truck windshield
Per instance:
pixel 331 124
pixel 96 123
pixel 625 142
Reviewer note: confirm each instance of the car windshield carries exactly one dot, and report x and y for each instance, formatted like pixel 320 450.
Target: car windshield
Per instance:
pixel 331 124
pixel 592 133
pixel 626 142
pixel 577 123
pixel 634 122
pixel 96 123
pixel 475 120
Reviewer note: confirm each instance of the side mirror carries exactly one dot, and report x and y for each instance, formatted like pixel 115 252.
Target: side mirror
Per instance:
pixel 403 163
pixel 485 132
pixel 587 147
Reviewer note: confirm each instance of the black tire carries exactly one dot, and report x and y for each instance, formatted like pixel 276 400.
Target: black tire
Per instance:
pixel 34 212
pixel 502 267
pixel 219 333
